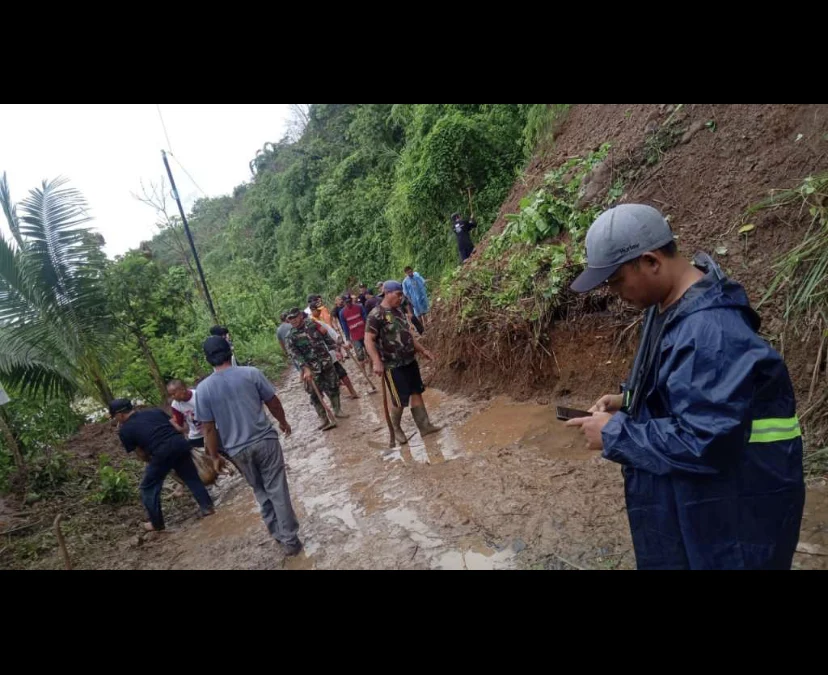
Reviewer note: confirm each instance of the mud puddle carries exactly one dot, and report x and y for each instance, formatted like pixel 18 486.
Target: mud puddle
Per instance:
pixel 500 423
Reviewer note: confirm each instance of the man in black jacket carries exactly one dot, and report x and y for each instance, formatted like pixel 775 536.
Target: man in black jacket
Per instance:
pixel 154 440
pixel 462 229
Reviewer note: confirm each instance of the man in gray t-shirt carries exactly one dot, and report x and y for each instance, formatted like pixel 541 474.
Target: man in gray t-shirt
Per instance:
pixel 281 334
pixel 230 402
pixel 232 399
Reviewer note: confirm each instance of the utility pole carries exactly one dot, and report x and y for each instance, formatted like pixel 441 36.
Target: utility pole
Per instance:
pixel 190 238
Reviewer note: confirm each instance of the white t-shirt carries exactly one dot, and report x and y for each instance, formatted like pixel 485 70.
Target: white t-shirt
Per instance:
pixel 334 336
pixel 187 410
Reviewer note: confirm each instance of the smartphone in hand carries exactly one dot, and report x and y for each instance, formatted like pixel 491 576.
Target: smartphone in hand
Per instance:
pixel 565 414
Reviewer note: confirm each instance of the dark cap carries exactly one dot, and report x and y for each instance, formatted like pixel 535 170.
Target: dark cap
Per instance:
pixel 119 405
pixel 392 287
pixel 217 350
pixel 618 236
pixel 293 313
pixel 219 331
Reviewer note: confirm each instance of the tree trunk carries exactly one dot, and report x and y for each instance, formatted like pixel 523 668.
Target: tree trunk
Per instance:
pixel 11 441
pixel 104 392
pixel 153 366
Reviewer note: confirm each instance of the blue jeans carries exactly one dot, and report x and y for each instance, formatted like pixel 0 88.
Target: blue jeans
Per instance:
pixel 174 456
pixel 359 348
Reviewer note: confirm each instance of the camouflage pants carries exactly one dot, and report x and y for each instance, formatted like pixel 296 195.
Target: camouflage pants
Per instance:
pixel 327 381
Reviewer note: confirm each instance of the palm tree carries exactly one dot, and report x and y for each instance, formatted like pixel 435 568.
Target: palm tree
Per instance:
pixel 54 331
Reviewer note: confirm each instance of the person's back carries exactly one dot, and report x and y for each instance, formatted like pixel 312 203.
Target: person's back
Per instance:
pixel 223 332
pixel 233 399
pixel 282 331
pixel 371 303
pixel 150 430
pixel 230 402
pixel 462 230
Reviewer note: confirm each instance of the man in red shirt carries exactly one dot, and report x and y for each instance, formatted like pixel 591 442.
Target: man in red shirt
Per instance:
pixel 352 319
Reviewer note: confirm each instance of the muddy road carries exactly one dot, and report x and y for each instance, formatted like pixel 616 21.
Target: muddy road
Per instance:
pixel 503 486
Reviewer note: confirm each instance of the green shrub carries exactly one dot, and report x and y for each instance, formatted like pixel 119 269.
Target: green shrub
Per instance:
pixel 115 485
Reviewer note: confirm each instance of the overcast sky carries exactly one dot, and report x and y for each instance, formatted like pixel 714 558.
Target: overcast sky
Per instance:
pixel 107 149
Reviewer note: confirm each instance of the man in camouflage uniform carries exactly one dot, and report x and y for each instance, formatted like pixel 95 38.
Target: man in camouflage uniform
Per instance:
pixel 393 350
pixel 308 345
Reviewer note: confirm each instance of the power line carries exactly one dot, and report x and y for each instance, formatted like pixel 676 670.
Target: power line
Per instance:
pixel 171 154
pixel 188 174
pixel 166 135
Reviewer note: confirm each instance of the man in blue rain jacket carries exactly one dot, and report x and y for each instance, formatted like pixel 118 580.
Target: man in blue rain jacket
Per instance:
pixel 706 428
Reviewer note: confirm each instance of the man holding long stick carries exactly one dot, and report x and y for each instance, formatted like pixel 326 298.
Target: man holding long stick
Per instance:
pixel 393 350
pixel 309 346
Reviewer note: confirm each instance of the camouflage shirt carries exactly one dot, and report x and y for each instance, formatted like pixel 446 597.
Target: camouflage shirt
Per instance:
pixel 309 346
pixel 394 341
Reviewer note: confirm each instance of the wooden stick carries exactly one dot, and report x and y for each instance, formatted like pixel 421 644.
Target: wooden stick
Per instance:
pixel 364 374
pixel 62 543
pixel 566 562
pixel 328 411
pixel 19 528
pixel 393 442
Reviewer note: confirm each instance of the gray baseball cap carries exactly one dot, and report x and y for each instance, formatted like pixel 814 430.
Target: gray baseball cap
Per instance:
pixel 617 236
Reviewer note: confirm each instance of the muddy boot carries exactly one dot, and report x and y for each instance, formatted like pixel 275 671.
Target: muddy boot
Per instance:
pixel 337 407
pixel 425 426
pixel 396 419
pixel 294 549
pixel 325 423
